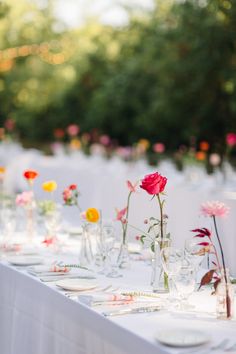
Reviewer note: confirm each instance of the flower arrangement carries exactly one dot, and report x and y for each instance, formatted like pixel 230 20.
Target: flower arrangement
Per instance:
pixel 154 184
pixel 25 199
pixel 214 209
pixel 123 214
pixel 70 196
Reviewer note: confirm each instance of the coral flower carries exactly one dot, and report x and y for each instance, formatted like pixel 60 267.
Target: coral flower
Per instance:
pixel 200 155
pixel 49 186
pixel 159 148
pixel 214 208
pixel 92 215
pixel 73 129
pixel 30 175
pixel 204 145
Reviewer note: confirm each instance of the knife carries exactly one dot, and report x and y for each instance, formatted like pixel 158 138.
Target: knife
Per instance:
pixel 144 309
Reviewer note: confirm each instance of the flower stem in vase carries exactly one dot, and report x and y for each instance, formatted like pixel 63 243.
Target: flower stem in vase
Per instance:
pixel 227 298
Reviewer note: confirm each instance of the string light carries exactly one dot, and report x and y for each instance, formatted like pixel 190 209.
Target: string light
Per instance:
pixel 43 50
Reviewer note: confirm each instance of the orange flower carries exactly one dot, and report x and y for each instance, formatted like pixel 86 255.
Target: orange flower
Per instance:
pixel 200 155
pixel 204 146
pixel 92 215
pixel 30 175
pixel 2 170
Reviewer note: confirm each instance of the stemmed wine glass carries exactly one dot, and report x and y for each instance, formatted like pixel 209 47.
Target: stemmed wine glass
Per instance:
pixel 185 280
pixel 171 259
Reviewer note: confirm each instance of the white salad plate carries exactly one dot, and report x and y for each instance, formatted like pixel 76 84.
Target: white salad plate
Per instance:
pixel 24 260
pixel 182 337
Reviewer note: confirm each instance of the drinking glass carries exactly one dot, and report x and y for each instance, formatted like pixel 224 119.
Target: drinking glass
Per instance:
pixel 194 252
pixel 171 259
pixel 185 281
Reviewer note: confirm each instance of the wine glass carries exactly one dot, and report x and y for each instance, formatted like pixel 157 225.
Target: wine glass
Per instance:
pixel 185 280
pixel 171 259
pixel 194 252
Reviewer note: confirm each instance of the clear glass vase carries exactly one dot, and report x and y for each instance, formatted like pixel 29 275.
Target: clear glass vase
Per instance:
pixel 30 221
pixel 86 256
pixel 159 279
pixel 123 259
pixel 225 297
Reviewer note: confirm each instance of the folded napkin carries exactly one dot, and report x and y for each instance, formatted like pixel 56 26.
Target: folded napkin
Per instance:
pixel 53 268
pixel 10 248
pixel 93 300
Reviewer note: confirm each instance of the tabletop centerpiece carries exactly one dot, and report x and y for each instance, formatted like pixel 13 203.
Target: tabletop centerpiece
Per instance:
pixel 154 184
pixel 123 217
pixel 220 273
pixel 26 200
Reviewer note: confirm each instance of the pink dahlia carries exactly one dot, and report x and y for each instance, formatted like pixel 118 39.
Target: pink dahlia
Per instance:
pixel 214 208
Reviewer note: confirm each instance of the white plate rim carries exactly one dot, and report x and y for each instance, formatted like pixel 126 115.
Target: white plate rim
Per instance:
pixel 21 260
pixel 163 336
pixel 73 287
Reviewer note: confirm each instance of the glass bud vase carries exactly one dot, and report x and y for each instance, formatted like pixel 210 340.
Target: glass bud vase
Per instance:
pixel 225 297
pixel 30 221
pixel 159 279
pixel 123 259
pixel 86 253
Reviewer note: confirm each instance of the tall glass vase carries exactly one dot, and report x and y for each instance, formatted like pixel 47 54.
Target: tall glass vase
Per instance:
pixel 225 297
pixel 159 279
pixel 123 260
pixel 30 221
pixel 86 256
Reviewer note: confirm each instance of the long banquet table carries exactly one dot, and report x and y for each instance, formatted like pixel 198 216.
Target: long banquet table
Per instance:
pixel 37 318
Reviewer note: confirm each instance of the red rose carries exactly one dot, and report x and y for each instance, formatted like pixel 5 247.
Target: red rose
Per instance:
pixel 73 187
pixel 153 183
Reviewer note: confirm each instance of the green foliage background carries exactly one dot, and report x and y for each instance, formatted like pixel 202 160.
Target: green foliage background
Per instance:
pixel 167 76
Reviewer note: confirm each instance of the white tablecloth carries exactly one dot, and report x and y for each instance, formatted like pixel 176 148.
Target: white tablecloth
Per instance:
pixel 37 319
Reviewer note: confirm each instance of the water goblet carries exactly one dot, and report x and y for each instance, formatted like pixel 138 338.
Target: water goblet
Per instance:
pixel 185 280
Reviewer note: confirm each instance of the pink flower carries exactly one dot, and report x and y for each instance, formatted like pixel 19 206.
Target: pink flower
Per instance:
pixel 159 148
pixel 132 187
pixel 153 183
pixel 67 195
pixel 231 139
pixel 25 198
pixel 73 129
pixel 214 208
pixel 105 140
pixel 214 159
pixel 120 214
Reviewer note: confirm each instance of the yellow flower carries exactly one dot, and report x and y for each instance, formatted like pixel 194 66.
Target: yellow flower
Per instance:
pixel 75 144
pixel 49 186
pixel 2 170
pixel 144 144
pixel 92 215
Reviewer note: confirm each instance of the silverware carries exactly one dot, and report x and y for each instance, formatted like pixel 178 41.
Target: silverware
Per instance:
pixel 129 311
pixel 141 293
pixel 107 288
pixel 62 277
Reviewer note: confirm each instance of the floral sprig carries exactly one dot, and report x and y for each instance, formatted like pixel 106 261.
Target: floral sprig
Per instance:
pixel 215 209
pixel 123 214
pixel 154 184
pixel 70 196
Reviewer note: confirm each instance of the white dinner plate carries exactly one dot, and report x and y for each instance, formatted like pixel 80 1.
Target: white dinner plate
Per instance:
pixel 76 284
pixel 24 260
pixel 182 337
